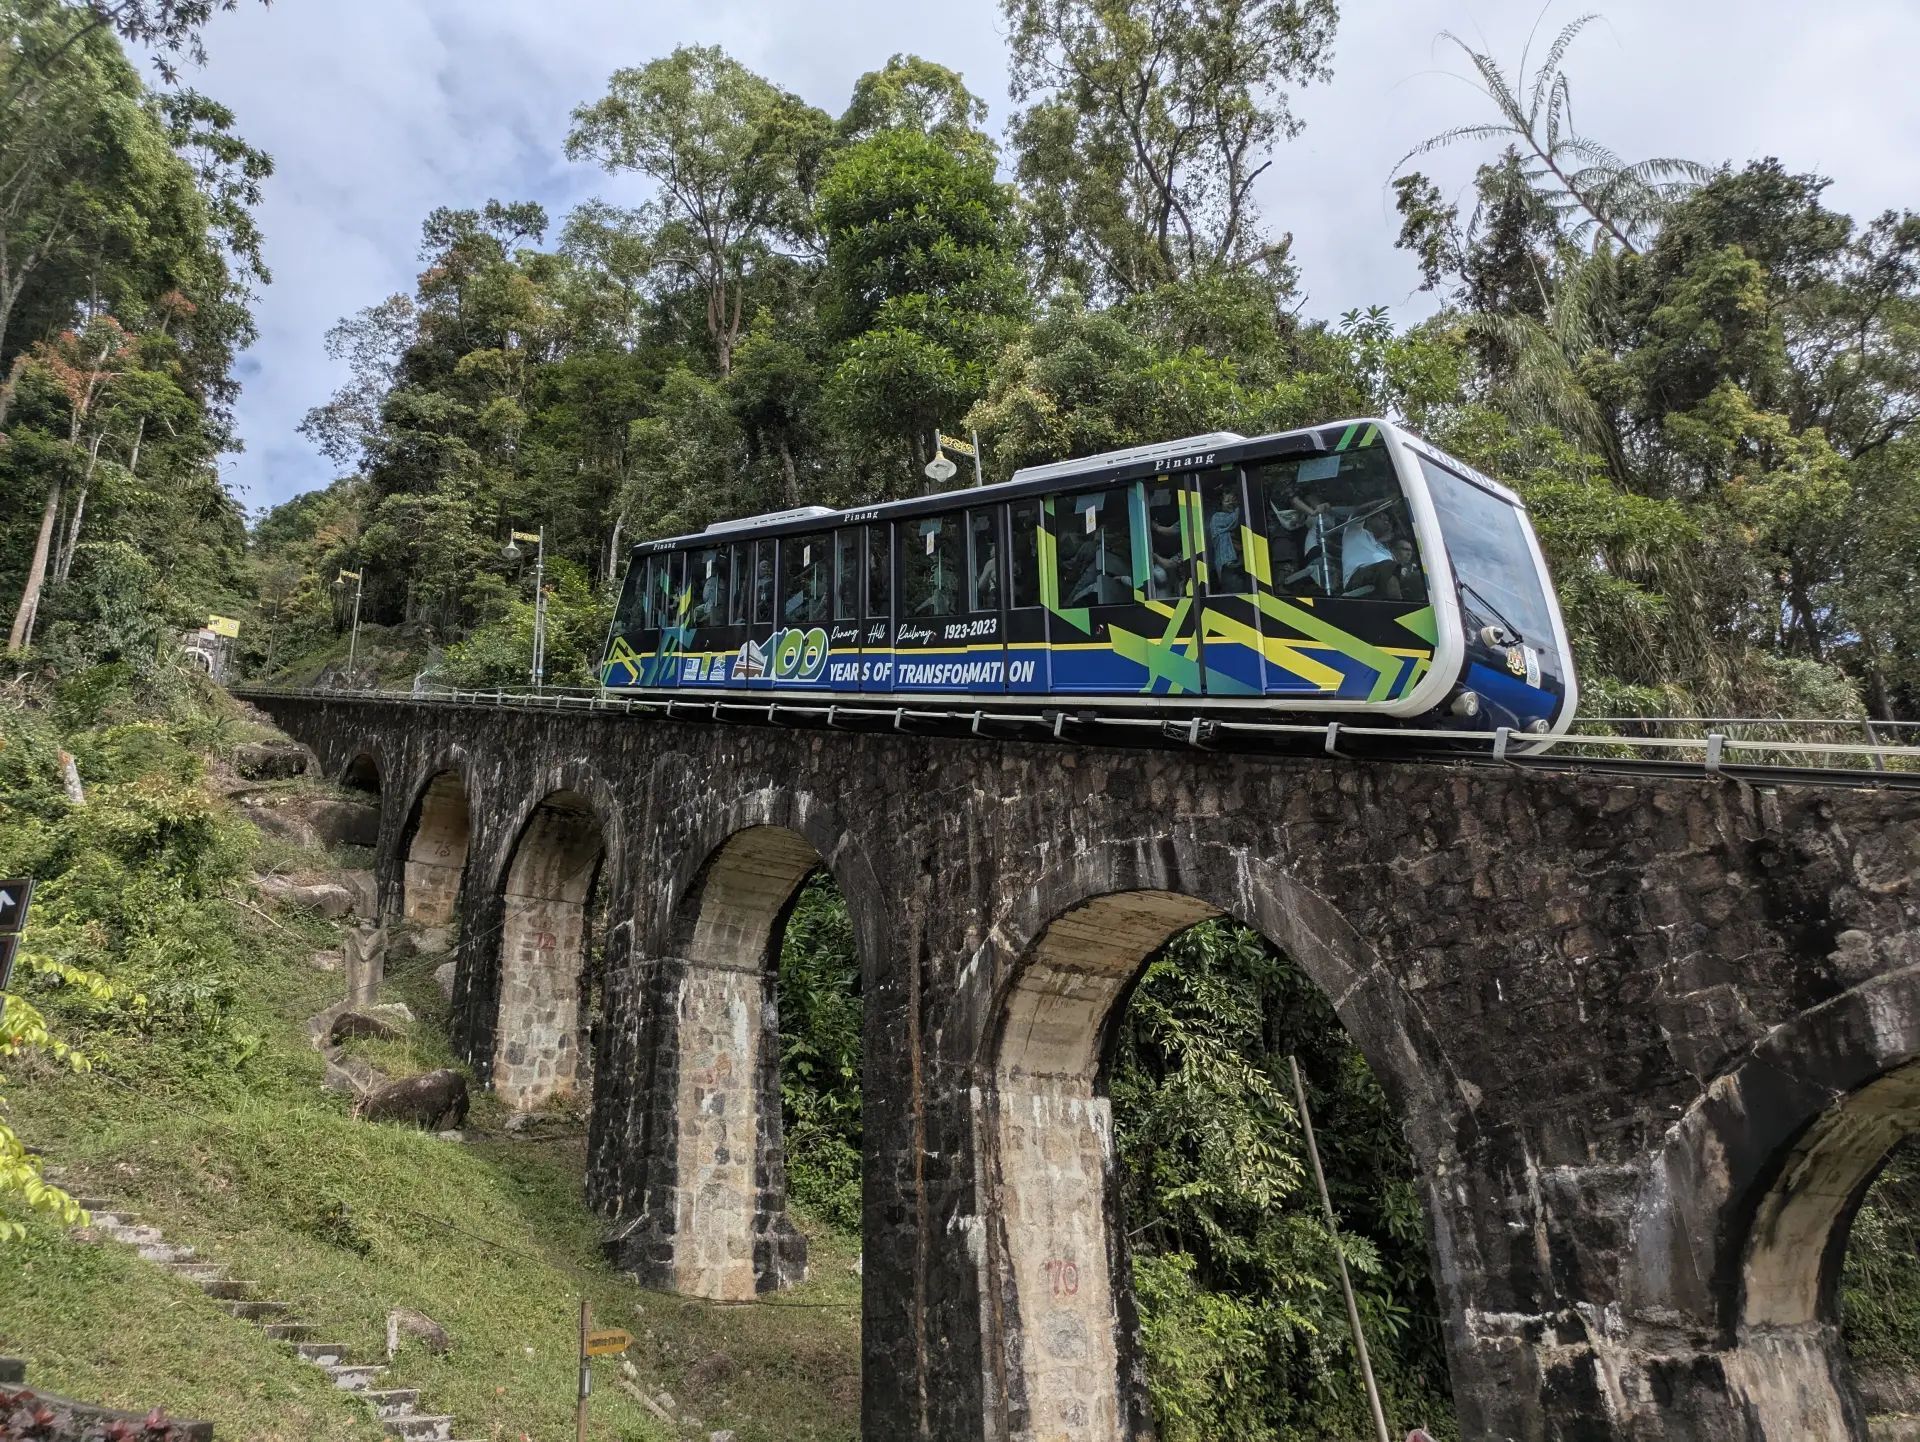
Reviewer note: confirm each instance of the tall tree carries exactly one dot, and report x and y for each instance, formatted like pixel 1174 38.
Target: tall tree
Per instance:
pixel 734 158
pixel 1149 123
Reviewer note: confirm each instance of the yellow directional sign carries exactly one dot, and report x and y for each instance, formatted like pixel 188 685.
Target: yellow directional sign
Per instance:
pixel 954 443
pixel 526 536
pixel 608 1344
pixel 224 626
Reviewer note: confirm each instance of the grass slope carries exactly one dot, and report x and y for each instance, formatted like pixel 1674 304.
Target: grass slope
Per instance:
pixel 267 1173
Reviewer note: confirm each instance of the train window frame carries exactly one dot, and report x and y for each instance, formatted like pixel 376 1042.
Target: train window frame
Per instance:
pixel 1235 476
pixel 849 555
pixel 976 571
pixel 906 566
pixel 1332 527
pixel 804 560
pixel 1074 528
pixel 1015 602
pixel 716 616
pixel 879 547
pixel 1179 586
pixel 764 554
pixel 740 583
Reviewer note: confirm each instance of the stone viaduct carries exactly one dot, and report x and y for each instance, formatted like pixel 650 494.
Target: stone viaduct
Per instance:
pixel 1650 1039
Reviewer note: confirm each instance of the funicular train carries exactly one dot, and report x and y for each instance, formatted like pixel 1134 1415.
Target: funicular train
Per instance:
pixel 1348 568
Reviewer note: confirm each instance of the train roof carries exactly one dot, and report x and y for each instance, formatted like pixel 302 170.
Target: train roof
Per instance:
pixel 1192 453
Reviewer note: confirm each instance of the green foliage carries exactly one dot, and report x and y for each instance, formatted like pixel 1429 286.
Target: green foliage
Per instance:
pixel 1880 1279
pixel 1234 1269
pixel 820 1054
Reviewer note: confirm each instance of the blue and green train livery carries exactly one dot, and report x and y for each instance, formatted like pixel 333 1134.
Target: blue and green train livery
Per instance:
pixel 1349 568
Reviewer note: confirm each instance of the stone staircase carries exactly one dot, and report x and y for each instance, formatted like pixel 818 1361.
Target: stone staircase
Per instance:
pixel 397 1408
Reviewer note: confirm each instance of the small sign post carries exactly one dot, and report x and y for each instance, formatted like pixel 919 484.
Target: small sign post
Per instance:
pixel 608 1344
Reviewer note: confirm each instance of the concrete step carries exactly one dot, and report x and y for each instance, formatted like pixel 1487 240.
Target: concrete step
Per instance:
pixel 256 1311
pixel 420 1429
pixel 167 1252
pixel 290 1331
pixel 103 1217
pixel 397 1402
pixel 134 1234
pixel 349 1378
pixel 322 1354
pixel 95 1204
pixel 196 1271
pixel 227 1289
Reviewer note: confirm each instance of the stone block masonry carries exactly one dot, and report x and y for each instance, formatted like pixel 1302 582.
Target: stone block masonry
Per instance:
pixel 1648 1038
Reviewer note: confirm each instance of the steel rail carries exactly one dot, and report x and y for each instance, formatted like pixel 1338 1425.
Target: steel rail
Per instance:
pixel 1717 754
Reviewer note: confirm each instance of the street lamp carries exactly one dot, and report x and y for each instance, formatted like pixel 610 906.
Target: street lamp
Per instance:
pixel 512 552
pixel 339 589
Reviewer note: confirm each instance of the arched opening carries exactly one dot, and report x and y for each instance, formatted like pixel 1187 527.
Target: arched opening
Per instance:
pixel 1792 1357
pixel 545 953
pixel 1161 1264
pixel 763 921
pixel 436 853
pixel 362 774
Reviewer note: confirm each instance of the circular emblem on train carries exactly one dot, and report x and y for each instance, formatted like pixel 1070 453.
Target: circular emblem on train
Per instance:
pixel 1517 660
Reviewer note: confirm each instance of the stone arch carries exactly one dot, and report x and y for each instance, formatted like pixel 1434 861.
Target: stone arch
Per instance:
pixel 543 937
pixel 717 1224
pixel 1059 1309
pixel 433 848
pixel 363 772
pixel 1741 1227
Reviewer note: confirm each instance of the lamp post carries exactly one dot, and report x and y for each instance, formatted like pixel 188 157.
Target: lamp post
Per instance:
pixel 538 670
pixel 353 642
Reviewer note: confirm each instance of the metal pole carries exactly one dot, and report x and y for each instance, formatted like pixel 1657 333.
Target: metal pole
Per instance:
pixel 586 1375
pixel 1333 1230
pixel 540 609
pixel 979 479
pixel 353 641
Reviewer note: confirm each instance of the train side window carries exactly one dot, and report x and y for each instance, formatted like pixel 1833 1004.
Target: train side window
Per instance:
pixel 627 613
pixel 983 572
pixel 644 608
pixel 707 578
pixel 879 571
pixel 933 560
pixel 1223 511
pixel 1170 568
pixel 1337 525
pixel 762 583
pixel 740 589
pixel 1095 539
pixel 669 573
pixel 846 574
pixel 1024 552
pixel 806 569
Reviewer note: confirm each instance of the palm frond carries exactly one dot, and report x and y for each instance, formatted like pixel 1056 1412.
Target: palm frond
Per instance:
pixel 1545 77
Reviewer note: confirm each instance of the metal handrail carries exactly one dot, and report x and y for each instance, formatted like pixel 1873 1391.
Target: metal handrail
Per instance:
pixel 1711 750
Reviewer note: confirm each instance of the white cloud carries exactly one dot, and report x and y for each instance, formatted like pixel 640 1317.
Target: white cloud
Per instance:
pixel 376 111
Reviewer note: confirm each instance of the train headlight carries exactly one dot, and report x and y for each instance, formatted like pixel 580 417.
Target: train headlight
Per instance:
pixel 1466 705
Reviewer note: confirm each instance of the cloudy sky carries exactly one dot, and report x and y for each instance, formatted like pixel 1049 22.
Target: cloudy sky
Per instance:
pixel 378 110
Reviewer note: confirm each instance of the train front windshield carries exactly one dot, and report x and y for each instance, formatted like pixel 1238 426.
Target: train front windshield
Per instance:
pixel 1515 658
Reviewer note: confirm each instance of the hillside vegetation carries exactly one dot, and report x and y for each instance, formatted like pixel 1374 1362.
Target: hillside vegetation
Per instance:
pixel 203 1111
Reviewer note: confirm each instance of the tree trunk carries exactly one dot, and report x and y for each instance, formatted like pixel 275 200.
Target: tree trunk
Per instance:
pixel 65 567
pixel 23 618
pixel 786 470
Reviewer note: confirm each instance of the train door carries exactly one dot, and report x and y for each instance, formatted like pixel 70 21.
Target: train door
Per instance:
pixel 1229 598
pixel 876 639
pixel 1028 596
pixel 1123 573
pixel 947 631
pixel 752 667
pixel 845 632
pixel 796 658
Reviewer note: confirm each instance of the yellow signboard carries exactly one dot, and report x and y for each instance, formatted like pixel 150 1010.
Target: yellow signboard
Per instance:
pixel 533 536
pixel 954 443
pixel 224 626
pixel 608 1344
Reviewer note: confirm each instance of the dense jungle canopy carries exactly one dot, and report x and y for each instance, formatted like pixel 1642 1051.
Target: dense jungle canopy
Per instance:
pixel 1704 380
